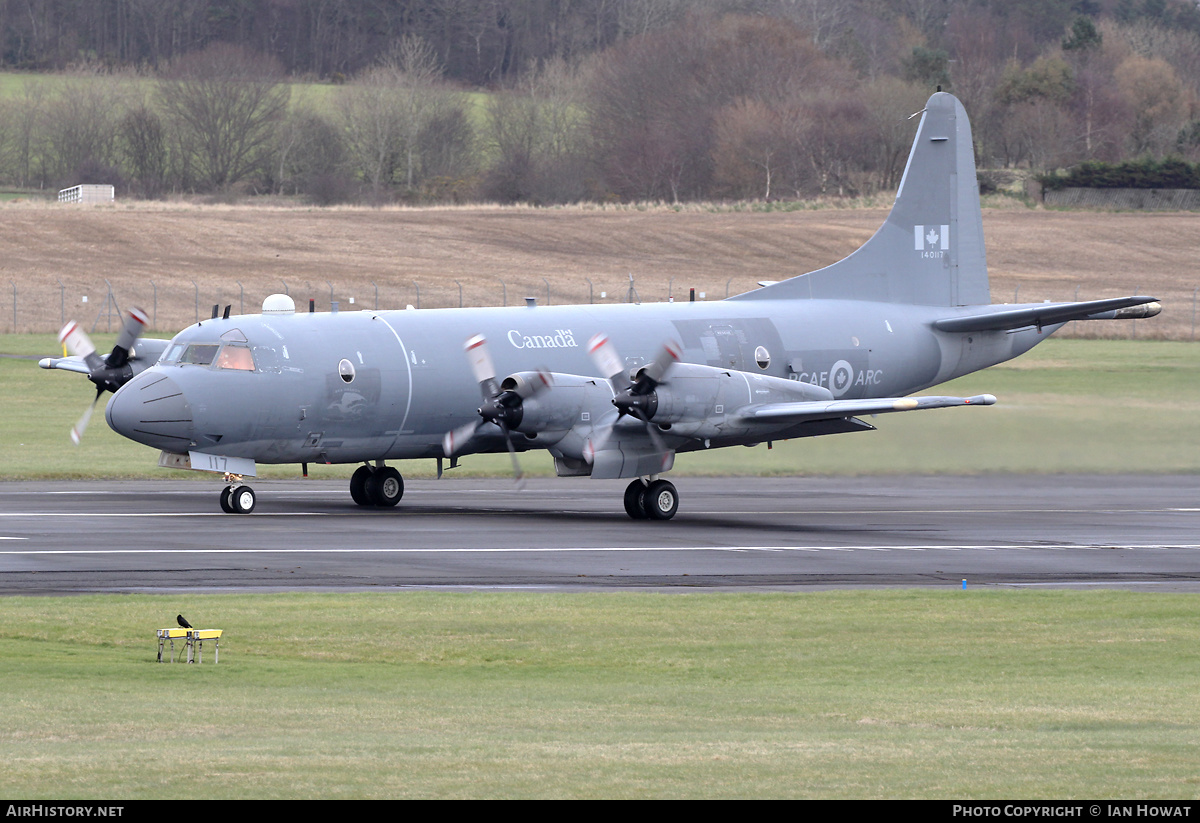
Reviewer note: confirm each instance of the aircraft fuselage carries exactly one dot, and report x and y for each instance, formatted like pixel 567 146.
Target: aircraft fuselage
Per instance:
pixel 361 386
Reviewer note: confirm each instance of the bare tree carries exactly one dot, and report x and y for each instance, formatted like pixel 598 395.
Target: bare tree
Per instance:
pixel 417 72
pixel 310 153
pixel 389 107
pixel 534 133
pixel 23 118
pixel 1158 101
pixel 824 19
pixel 370 112
pixel 80 126
pixel 889 104
pixel 750 149
pixel 223 103
pixel 144 146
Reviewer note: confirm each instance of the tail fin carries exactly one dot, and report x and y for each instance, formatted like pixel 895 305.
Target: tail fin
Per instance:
pixel 930 249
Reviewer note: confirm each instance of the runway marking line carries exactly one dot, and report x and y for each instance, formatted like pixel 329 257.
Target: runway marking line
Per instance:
pixel 574 549
pixel 517 512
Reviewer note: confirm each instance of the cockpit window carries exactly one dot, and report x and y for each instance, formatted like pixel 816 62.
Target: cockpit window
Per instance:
pixel 200 354
pixel 236 357
pixel 215 355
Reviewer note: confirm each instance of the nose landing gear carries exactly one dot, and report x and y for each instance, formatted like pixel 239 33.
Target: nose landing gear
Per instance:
pixel 237 498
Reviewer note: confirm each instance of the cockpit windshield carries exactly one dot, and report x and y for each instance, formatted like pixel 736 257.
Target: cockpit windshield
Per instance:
pixel 227 356
pixel 235 357
pixel 200 354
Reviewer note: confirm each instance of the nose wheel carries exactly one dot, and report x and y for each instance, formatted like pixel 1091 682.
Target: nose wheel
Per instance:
pixel 653 500
pixel 238 499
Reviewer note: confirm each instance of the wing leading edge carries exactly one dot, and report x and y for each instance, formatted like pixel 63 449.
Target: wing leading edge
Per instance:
pixel 805 411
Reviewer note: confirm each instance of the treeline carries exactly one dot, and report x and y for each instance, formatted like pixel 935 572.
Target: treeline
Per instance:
pixel 1171 173
pixel 587 100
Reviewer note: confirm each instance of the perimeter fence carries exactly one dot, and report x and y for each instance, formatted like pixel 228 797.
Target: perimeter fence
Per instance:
pixel 98 304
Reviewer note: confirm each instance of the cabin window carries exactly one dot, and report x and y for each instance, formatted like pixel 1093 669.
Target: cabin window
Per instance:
pixel 346 370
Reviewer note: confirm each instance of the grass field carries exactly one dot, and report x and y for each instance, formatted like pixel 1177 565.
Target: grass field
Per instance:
pixel 936 694
pixel 1104 406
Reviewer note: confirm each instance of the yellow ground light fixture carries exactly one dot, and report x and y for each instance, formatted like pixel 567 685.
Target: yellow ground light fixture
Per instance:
pixel 193 644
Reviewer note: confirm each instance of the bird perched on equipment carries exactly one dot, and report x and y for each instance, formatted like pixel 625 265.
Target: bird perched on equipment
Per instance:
pixel 183 622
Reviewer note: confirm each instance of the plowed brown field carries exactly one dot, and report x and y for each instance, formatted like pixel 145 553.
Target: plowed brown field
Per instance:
pixel 178 260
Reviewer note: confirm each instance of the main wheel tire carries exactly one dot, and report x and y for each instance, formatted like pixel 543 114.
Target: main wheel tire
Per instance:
pixel 242 499
pixel 634 500
pixel 385 487
pixel 226 502
pixel 661 500
pixel 358 485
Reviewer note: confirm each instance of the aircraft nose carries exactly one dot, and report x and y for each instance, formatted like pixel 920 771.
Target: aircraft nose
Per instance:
pixel 152 409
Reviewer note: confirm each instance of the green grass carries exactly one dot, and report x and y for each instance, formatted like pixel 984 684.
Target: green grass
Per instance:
pixel 1092 406
pixel 976 694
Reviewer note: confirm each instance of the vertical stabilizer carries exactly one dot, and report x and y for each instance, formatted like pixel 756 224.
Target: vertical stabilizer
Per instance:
pixel 930 250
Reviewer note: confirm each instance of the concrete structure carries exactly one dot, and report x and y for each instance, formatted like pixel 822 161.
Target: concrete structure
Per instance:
pixel 89 193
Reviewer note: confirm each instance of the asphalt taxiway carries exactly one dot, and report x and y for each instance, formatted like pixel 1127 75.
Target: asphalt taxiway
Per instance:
pixel 1133 531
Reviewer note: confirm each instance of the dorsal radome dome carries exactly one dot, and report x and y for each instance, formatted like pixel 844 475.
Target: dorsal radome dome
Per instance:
pixel 279 304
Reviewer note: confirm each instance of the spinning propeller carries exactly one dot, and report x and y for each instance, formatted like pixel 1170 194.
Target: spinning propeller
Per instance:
pixel 501 401
pixel 107 373
pixel 634 397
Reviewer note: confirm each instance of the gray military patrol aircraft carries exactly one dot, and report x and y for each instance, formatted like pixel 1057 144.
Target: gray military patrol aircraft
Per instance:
pixel 611 391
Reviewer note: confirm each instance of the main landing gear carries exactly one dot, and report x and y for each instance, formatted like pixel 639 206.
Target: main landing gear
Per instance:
pixel 651 499
pixel 377 485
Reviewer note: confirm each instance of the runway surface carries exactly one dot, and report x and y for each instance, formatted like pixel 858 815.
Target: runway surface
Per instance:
pixel 762 533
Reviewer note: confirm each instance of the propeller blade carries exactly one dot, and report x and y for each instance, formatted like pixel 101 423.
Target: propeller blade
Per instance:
pixel 604 355
pixel 76 340
pixel 599 438
pixel 482 366
pixel 129 334
pixel 518 475
pixel 455 441
pixel 81 425
pixel 79 344
pixel 655 437
pixel 653 373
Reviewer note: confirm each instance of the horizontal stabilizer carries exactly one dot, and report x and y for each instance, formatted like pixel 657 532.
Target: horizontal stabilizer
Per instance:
pixel 822 409
pixel 1049 314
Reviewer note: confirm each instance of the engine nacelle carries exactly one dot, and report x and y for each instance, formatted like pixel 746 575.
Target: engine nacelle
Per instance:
pixel 694 393
pixel 563 406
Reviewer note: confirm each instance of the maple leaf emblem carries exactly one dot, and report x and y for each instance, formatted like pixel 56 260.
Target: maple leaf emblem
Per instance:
pixel 931 237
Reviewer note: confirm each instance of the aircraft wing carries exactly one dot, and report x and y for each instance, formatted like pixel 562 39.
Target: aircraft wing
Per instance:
pixel 71 363
pixel 801 412
pixel 148 351
pixel 1049 314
